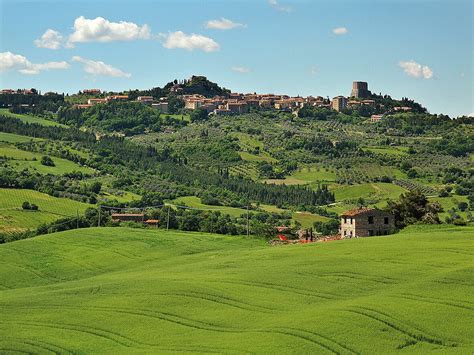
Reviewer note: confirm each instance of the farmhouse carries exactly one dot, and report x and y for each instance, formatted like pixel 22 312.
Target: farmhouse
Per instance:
pixel 366 222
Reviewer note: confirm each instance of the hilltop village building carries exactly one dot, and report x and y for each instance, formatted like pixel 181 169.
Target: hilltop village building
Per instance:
pixel 366 222
pixel 339 103
pixel 91 91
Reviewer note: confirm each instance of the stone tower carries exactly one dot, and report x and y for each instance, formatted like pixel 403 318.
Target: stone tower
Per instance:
pixel 360 89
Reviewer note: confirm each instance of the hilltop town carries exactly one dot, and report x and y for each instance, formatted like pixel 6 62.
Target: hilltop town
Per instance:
pixel 233 103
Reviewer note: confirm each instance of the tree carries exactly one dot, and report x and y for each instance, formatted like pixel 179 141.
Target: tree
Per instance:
pixel 47 161
pixel 198 115
pixel 174 104
pixel 413 207
pixel 330 227
pixel 96 187
pixel 412 173
pixel 26 205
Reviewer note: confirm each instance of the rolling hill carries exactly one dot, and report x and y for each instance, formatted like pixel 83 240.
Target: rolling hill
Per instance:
pixel 131 290
pixel 14 218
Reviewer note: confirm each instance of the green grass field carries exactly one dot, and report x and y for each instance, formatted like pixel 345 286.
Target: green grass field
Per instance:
pixel 112 290
pixel 248 141
pixel 307 219
pixel 312 174
pixel 448 203
pixel 388 150
pixel 30 118
pixel 256 158
pixel 373 191
pixel 14 218
pixel 307 175
pixel 16 138
pixel 121 196
pixel 22 159
pixel 186 118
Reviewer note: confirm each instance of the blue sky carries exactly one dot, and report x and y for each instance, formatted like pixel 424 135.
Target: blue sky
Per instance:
pixel 420 49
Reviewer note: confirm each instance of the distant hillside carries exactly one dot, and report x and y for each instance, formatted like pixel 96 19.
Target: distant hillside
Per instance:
pixel 118 290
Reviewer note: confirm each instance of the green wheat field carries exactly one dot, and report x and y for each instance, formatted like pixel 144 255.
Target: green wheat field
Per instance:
pixel 120 290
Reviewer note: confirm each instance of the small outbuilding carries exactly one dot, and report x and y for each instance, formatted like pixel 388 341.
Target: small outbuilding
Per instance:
pixel 366 222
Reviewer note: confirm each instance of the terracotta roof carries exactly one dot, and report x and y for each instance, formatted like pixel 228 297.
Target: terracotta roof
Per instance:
pixel 152 221
pixel 357 211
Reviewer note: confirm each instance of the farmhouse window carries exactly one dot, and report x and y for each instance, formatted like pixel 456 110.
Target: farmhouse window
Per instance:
pixel 385 220
pixel 371 219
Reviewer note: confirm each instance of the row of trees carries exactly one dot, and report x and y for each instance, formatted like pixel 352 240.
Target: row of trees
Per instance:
pixel 257 223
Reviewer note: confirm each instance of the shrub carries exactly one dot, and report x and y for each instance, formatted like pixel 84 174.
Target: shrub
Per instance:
pixel 47 161
pixel 443 193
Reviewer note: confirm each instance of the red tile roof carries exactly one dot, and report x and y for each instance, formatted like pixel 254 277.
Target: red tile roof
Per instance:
pixel 357 211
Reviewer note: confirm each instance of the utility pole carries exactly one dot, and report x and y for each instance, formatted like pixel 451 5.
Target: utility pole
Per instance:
pixel 98 223
pixel 168 218
pixel 248 222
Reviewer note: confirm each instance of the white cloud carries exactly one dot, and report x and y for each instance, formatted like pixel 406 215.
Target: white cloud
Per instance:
pixel 51 39
pixel 190 42
pixel 223 24
pixel 277 6
pixel 242 70
pixel 102 30
pixel 313 70
pixel 416 70
pixel 100 68
pixel 10 61
pixel 427 72
pixel 340 31
pixel 36 68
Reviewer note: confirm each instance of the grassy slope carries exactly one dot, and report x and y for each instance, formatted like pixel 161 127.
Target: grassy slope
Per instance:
pixel 450 202
pixel 388 150
pixel 22 159
pixel 13 217
pixel 256 158
pixel 373 191
pixel 30 118
pixel 122 290
pixel 16 138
